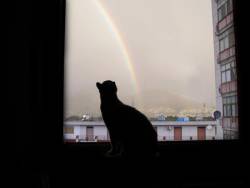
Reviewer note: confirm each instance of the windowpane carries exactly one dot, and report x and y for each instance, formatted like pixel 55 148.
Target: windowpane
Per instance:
pixel 223 67
pixel 223 77
pixel 229 6
pixel 233 74
pixel 231 39
pixel 224 110
pixel 220 14
pixel 233 110
pixel 226 40
pixel 142 50
pixel 233 99
pixel 228 75
pixel 229 112
pixel 233 64
pixel 68 130
pixel 222 45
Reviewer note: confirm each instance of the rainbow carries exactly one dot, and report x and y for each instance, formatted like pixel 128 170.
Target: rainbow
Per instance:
pixel 121 42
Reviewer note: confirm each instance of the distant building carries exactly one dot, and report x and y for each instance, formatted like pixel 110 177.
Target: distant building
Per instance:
pixel 225 66
pixel 89 131
pixel 161 117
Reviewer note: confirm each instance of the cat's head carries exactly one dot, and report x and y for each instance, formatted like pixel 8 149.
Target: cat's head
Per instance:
pixel 107 88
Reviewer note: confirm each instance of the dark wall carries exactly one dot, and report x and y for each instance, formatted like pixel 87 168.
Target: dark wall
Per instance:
pixel 35 78
pixel 35 84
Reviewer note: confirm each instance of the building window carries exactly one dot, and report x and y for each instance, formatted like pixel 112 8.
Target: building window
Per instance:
pixel 229 6
pixel 227 42
pixel 69 130
pixel 229 106
pixel 221 12
pixel 224 9
pixel 224 44
pixel 228 72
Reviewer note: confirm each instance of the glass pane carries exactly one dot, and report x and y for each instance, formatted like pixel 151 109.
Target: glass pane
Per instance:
pixel 161 56
pixel 222 45
pixel 226 41
pixel 233 110
pixel 225 100
pixel 231 39
pixel 229 6
pixel 228 75
pixel 223 67
pixel 224 110
pixel 229 110
pixel 223 77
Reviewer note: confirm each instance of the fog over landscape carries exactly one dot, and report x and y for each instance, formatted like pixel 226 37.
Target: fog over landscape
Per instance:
pixel 169 44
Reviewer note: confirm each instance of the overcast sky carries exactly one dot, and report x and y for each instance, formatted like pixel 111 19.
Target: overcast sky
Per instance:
pixel 170 44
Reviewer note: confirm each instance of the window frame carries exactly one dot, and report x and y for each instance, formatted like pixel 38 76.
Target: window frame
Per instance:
pixel 185 143
pixel 228 68
pixel 228 103
pixel 37 53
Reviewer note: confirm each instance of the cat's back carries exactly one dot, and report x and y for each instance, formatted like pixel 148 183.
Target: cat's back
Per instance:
pixel 136 120
pixel 139 130
pixel 131 113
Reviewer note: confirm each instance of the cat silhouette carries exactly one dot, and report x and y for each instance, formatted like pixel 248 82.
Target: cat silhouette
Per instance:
pixel 131 133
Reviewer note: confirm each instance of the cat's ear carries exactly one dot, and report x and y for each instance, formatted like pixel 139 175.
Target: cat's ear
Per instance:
pixel 114 86
pixel 98 85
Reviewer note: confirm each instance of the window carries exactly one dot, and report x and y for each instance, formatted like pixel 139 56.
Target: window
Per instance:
pixel 228 72
pixel 226 39
pixel 222 12
pixel 227 42
pixel 164 67
pixel 229 6
pixel 68 130
pixel 230 106
pixel 224 9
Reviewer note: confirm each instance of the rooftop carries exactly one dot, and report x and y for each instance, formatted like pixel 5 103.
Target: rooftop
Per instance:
pixel 158 123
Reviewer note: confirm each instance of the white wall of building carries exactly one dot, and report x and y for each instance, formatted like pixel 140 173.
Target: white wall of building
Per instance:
pixel 166 131
pixel 189 131
pixel 219 130
pixel 77 130
pixel 101 132
pixel 210 133
pixel 69 136
pixel 82 132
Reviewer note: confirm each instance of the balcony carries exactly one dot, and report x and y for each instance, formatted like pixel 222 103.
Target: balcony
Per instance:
pixel 225 54
pixel 228 87
pixel 226 21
